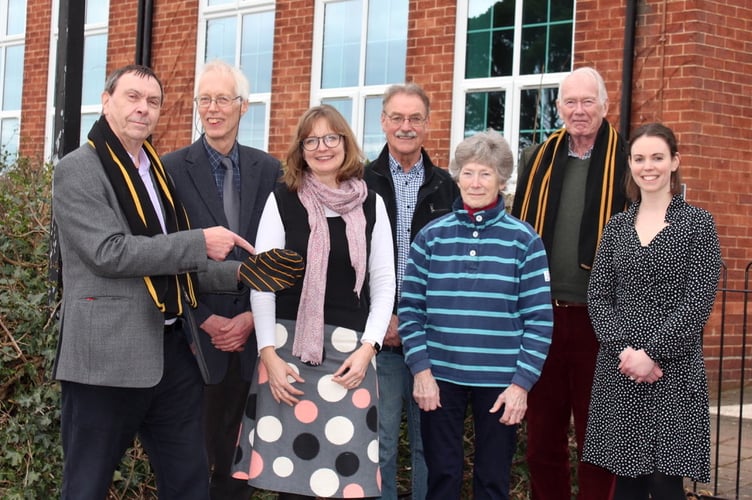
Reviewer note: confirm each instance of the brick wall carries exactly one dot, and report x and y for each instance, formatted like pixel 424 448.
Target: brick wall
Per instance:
pixel 430 63
pixel 692 70
pixel 35 77
pixel 291 71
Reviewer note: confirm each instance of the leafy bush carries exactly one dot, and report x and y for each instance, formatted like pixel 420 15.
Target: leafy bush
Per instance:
pixel 30 460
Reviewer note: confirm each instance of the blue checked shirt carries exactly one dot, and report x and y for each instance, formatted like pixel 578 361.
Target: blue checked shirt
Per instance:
pixel 406 186
pixel 218 171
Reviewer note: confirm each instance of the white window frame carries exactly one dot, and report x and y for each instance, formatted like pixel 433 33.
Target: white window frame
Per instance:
pixel 356 94
pixel 237 9
pixel 513 85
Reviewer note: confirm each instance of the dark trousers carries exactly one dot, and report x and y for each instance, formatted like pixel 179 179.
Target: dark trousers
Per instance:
pixel 99 423
pixel 223 409
pixel 563 390
pixel 442 431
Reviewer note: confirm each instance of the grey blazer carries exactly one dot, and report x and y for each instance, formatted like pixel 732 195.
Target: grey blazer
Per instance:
pixel 191 172
pixel 111 331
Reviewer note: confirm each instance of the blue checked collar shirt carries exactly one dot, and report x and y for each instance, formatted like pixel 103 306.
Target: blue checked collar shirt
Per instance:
pixel 406 187
pixel 218 171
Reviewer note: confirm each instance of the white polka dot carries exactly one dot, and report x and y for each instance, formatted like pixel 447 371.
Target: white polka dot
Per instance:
pixel 339 430
pixel 269 429
pixel 295 369
pixel 281 335
pixel 324 482
pixel 373 451
pixel 329 390
pixel 283 466
pixel 251 435
pixel 344 339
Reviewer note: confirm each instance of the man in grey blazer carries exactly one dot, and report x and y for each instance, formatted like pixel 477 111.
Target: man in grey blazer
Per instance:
pixel 226 321
pixel 130 268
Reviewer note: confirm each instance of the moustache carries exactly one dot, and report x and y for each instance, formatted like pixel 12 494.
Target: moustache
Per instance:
pixel 406 135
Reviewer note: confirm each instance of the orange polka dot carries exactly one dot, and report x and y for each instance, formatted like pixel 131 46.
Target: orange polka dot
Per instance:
pixel 257 465
pixel 353 491
pixel 263 375
pixel 306 411
pixel 361 398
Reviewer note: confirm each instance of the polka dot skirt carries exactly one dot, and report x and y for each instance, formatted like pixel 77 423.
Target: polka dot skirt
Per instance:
pixel 327 444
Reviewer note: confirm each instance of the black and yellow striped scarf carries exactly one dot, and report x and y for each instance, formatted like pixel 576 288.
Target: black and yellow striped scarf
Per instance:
pixel 142 218
pixel 539 190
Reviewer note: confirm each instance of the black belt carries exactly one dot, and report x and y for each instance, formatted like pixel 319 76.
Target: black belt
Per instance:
pixel 397 349
pixel 566 303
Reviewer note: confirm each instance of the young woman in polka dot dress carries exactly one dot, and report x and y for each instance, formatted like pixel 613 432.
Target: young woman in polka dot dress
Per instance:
pixel 311 425
pixel 651 291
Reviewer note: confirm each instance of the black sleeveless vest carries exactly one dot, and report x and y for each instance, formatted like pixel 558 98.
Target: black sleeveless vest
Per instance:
pixel 342 306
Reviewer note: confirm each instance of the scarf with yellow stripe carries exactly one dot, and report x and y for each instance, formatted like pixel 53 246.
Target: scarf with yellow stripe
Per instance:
pixel 141 215
pixel 539 190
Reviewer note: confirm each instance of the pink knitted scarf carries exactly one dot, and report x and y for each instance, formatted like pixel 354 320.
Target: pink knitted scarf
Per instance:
pixel 347 200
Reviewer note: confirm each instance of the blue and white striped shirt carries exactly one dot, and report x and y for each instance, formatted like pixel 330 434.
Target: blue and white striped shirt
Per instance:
pixel 476 300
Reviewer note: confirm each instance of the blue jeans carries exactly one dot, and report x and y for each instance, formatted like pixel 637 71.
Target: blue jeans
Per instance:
pixel 396 386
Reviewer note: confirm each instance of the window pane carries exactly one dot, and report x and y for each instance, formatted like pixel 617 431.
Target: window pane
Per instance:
pixel 373 136
pixel 13 78
pixel 256 49
pixel 484 110
pixel 97 11
pixel 546 37
pixel 95 61
pixel 538 116
pixel 560 48
pixel 490 39
pixel 219 2
pixel 9 136
pixel 16 17
pixel 478 55
pixel 87 121
pixel 343 105
pixel 533 50
pixel 220 39
pixel 503 53
pixel 341 57
pixel 386 45
pixel 562 10
pixel 252 130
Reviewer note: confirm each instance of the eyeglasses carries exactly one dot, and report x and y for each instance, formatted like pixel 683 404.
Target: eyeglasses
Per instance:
pixel 223 101
pixel 586 103
pixel 330 141
pixel 398 120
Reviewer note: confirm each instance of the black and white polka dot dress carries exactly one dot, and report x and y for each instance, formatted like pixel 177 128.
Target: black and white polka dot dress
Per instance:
pixel 657 298
pixel 327 444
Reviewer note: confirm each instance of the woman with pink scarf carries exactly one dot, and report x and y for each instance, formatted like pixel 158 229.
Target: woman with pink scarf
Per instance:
pixel 311 427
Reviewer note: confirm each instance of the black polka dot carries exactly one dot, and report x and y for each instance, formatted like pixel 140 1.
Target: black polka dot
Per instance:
pixel 306 446
pixel 347 464
pixel 372 418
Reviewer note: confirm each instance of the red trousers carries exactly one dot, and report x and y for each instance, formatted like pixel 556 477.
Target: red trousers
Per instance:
pixel 563 390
